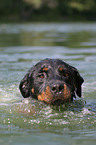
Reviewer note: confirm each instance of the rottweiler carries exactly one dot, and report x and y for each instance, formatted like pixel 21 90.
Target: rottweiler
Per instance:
pixel 52 81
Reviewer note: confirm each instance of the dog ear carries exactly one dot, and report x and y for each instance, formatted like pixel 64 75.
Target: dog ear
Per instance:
pixel 78 82
pixel 25 84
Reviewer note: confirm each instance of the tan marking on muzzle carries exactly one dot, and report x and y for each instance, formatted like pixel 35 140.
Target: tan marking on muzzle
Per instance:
pixel 47 96
pixel 67 94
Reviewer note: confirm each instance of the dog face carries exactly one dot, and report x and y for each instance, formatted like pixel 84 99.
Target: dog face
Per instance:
pixel 52 81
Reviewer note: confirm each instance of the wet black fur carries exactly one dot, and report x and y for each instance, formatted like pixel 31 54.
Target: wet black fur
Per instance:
pixel 33 78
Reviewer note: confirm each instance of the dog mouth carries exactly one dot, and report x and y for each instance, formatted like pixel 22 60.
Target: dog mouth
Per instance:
pixel 58 102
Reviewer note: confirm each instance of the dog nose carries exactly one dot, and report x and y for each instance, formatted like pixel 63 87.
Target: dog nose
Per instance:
pixel 57 88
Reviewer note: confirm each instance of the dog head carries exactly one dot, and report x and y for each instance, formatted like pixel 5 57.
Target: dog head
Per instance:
pixel 52 81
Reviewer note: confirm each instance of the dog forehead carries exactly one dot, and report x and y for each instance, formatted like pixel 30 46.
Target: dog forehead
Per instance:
pixel 42 64
pixel 51 63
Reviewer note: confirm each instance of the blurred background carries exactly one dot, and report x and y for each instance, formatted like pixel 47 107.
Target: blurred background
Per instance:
pixel 47 10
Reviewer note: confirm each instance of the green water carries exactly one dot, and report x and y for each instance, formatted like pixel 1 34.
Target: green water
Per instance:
pixel 26 121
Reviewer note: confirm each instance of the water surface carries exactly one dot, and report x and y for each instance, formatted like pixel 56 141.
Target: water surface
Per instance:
pixel 26 121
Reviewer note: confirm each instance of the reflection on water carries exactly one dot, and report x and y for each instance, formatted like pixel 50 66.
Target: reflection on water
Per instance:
pixel 22 46
pixel 69 35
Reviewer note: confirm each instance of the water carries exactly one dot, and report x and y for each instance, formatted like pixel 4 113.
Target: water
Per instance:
pixel 26 121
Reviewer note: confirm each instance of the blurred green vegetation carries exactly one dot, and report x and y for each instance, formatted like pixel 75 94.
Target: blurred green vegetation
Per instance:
pixel 47 10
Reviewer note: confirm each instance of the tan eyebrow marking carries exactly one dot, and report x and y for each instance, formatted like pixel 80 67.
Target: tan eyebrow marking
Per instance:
pixel 61 68
pixel 67 74
pixel 45 69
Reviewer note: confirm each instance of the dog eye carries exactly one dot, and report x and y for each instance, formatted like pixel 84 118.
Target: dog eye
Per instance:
pixel 41 76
